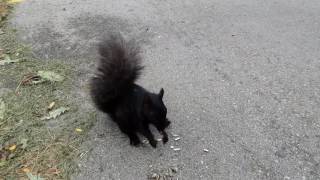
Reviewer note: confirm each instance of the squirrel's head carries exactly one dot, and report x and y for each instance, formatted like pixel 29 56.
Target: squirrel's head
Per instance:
pixel 155 111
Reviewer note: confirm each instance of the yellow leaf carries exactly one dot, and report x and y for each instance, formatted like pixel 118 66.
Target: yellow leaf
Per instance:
pixel 14 1
pixel 26 170
pixel 51 105
pixel 13 147
pixel 78 130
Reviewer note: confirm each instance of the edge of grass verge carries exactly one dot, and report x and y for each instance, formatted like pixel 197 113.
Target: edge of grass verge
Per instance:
pixel 29 145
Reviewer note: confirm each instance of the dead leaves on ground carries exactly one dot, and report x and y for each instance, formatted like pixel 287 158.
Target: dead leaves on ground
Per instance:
pixel 16 149
pixel 55 113
pixel 50 76
pixel 20 153
pixel 10 150
pixel 41 77
pixel 38 78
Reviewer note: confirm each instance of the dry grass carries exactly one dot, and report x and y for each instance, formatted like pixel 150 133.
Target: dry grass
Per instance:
pixel 43 147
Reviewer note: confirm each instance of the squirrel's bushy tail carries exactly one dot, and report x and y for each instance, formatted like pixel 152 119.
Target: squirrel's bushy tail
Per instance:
pixel 119 67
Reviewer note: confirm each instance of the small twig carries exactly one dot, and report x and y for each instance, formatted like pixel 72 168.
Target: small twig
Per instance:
pixel 83 154
pixel 16 91
pixel 28 78
pixel 25 79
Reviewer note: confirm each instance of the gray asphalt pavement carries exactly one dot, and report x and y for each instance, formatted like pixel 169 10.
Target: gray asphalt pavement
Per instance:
pixel 241 79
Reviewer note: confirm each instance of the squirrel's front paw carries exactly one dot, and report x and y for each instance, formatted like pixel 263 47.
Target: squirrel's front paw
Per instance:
pixel 153 143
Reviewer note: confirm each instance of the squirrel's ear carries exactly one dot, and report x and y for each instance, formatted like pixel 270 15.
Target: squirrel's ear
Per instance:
pixel 161 93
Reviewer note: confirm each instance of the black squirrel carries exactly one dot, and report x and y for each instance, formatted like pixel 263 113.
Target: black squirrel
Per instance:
pixel 114 91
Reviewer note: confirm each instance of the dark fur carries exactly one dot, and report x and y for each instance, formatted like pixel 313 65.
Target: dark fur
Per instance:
pixel 114 91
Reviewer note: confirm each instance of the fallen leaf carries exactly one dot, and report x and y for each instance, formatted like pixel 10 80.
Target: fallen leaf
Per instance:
pixel 54 171
pixel 14 1
pixel 31 78
pixel 50 76
pixel 40 77
pixel 55 113
pixel 2 109
pixel 51 105
pixel 26 170
pixel 33 177
pixel 79 130
pixel 24 143
pixel 13 147
pixel 8 60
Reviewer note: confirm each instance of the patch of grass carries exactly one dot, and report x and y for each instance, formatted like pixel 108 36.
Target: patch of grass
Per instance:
pixel 27 143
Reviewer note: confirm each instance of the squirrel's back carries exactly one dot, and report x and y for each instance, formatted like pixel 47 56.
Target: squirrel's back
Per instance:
pixel 118 68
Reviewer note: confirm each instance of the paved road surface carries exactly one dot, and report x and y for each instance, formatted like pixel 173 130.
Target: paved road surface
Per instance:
pixel 241 79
